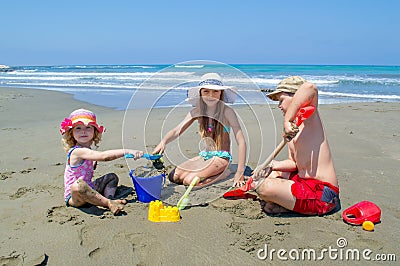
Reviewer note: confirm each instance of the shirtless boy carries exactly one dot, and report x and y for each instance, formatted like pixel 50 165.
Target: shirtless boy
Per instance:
pixel 306 181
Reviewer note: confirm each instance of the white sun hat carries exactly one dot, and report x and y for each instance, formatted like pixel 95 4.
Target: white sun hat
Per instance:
pixel 211 81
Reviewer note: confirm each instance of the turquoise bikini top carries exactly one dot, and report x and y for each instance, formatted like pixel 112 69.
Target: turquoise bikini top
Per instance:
pixel 210 128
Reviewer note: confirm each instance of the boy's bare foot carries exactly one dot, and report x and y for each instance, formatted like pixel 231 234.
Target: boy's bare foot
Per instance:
pixel 116 206
pixel 272 208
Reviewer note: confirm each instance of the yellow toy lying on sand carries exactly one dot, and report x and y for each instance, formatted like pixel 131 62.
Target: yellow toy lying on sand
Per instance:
pixel 184 200
pixel 159 213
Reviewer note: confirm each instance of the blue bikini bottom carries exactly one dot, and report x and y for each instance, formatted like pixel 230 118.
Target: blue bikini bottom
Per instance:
pixel 222 154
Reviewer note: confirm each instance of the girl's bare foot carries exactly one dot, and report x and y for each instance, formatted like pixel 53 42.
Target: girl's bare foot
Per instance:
pixel 272 208
pixel 213 179
pixel 116 206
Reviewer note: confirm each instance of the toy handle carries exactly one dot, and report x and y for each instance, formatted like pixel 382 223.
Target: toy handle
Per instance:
pixel 304 113
pixel 352 220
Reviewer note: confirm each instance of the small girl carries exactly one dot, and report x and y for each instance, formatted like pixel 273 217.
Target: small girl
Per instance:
pixel 79 132
pixel 216 120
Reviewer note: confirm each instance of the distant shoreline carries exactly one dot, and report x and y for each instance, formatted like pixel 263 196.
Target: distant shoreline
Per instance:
pixel 166 86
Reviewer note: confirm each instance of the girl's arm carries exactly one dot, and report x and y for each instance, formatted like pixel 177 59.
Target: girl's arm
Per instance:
pixel 174 133
pixel 109 155
pixel 241 142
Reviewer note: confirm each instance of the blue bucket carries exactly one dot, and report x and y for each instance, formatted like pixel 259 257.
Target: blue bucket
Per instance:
pixel 147 188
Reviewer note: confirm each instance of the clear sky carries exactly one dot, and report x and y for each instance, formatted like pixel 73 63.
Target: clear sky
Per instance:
pixel 52 32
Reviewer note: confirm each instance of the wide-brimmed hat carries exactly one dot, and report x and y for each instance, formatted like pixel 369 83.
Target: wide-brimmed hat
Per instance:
pixel 80 116
pixel 211 81
pixel 290 84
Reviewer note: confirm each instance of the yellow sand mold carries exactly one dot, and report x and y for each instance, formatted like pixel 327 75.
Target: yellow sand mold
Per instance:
pixel 159 213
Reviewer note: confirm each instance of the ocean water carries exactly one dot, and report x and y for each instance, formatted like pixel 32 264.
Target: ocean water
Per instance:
pixel 144 86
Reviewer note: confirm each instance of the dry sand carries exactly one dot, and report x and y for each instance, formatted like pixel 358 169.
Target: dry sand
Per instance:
pixel 36 226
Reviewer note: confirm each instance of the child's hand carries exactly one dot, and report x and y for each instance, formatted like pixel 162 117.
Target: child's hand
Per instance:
pixel 136 154
pixel 289 131
pixel 238 180
pixel 263 173
pixel 159 149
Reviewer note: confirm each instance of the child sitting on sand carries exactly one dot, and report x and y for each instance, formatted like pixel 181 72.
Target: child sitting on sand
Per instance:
pixel 306 181
pixel 79 132
pixel 215 119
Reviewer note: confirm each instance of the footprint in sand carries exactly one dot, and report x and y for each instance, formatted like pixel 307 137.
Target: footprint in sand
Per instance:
pixel 12 259
pixel 61 215
pixel 21 192
pixel 140 247
pixel 27 171
pixel 4 176
pixel 245 208
pixel 245 241
pixel 254 240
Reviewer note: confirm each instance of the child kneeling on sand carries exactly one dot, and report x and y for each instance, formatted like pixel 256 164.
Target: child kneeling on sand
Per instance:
pixel 80 130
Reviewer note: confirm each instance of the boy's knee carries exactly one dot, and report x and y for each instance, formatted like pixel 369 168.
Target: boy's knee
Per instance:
pixel 266 188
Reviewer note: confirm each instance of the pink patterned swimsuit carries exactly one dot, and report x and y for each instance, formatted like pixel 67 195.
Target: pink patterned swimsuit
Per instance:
pixel 82 171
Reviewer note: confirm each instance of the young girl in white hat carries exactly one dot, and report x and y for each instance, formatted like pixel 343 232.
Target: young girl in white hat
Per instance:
pixel 80 130
pixel 216 120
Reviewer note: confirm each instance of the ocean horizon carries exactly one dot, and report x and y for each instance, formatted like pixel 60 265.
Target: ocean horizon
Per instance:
pixel 145 86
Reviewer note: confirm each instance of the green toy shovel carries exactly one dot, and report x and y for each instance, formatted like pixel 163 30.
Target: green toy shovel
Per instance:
pixel 184 200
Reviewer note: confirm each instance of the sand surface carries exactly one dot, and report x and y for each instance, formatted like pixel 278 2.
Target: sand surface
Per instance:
pixel 36 226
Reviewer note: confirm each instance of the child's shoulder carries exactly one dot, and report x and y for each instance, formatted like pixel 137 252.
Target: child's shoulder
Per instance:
pixel 195 112
pixel 78 149
pixel 228 111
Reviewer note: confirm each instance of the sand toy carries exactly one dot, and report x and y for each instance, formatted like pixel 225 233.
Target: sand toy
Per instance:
pixel 184 200
pixel 159 213
pixel 241 192
pixel 362 212
pixel 147 188
pixel 157 160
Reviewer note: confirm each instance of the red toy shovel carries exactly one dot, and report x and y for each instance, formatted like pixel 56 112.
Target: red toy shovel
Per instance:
pixel 303 114
pixel 241 192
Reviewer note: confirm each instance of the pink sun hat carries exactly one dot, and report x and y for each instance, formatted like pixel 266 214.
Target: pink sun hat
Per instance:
pixel 80 116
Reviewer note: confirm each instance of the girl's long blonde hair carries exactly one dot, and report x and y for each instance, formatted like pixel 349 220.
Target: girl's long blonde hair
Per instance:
pixel 69 141
pixel 217 122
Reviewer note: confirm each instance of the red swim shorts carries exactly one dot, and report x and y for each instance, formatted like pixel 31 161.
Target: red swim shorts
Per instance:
pixel 314 197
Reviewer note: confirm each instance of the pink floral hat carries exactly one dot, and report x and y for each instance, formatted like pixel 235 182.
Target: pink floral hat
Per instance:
pixel 80 116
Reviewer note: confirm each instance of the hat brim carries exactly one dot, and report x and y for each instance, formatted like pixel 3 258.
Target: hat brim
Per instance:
pixel 193 94
pixel 65 128
pixel 275 94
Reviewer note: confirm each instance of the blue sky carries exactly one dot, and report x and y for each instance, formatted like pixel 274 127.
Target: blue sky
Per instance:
pixel 361 32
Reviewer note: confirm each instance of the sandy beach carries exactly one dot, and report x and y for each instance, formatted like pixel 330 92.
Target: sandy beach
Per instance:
pixel 36 226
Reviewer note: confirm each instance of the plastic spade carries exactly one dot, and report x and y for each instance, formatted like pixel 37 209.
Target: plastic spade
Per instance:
pixel 155 158
pixel 184 200
pixel 241 192
pixel 147 156
pixel 302 115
